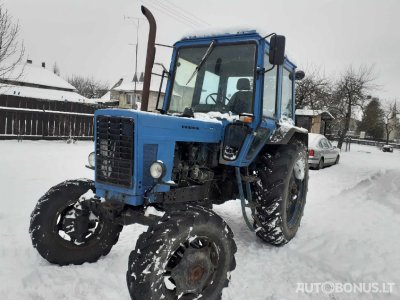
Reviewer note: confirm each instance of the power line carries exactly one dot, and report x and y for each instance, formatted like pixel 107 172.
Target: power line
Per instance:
pixel 193 19
pixel 187 13
pixel 173 15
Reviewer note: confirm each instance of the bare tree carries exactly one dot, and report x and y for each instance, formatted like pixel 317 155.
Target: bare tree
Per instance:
pixel 391 120
pixel 11 50
pixel 350 93
pixel 313 91
pixel 88 86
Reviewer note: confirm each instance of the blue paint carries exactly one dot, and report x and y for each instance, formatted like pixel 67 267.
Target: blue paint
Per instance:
pixel 163 131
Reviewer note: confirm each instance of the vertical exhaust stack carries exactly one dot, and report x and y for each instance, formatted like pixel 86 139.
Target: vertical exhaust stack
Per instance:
pixel 151 52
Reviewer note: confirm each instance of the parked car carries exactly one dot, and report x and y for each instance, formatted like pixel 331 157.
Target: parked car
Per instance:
pixel 387 148
pixel 321 153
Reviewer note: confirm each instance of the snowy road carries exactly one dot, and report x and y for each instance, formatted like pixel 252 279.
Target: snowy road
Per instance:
pixel 349 233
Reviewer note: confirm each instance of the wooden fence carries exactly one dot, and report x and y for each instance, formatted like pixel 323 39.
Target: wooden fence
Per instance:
pixel 30 118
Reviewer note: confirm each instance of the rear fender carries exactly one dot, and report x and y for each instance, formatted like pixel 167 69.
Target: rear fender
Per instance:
pixel 283 136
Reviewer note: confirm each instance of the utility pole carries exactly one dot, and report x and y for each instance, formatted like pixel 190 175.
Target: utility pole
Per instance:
pixel 136 22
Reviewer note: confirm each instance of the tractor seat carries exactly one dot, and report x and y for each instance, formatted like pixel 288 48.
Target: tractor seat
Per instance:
pixel 241 101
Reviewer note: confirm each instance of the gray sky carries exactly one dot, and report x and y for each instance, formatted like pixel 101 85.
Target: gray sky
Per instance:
pixel 91 37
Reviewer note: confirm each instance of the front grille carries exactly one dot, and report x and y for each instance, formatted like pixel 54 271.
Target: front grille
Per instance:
pixel 114 150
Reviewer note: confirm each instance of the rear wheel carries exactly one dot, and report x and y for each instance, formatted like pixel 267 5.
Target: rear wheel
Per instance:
pixel 189 254
pixel 65 232
pixel 280 193
pixel 320 164
pixel 337 160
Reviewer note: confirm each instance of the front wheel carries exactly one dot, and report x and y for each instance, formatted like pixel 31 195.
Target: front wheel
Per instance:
pixel 64 232
pixel 280 193
pixel 189 254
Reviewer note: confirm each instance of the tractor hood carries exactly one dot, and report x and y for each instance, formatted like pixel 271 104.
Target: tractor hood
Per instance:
pixel 152 137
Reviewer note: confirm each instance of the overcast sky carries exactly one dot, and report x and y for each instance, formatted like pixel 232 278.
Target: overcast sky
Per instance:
pixel 92 37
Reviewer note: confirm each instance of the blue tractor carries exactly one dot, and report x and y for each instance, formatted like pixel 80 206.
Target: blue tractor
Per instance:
pixel 223 131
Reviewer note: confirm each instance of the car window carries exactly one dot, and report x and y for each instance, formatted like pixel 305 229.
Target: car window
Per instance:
pixel 325 143
pixel 329 144
pixel 320 144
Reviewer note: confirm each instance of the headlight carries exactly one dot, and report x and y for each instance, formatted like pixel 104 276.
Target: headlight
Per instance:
pixel 92 159
pixel 157 169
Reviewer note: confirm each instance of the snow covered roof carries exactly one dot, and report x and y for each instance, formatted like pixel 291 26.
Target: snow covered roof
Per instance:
pixel 312 113
pixel 128 85
pixel 42 93
pixel 33 74
pixel 218 32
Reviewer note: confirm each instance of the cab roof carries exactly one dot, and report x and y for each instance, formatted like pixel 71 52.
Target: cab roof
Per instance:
pixel 225 34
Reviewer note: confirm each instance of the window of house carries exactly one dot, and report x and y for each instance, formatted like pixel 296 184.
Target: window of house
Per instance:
pixel 128 99
pixel 269 98
pixel 287 95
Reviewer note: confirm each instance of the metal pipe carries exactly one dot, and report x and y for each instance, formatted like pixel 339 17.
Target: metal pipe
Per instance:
pixel 151 52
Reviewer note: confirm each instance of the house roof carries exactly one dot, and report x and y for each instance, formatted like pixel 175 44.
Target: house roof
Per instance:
pixel 127 85
pixel 31 81
pixel 42 93
pixel 29 73
pixel 316 112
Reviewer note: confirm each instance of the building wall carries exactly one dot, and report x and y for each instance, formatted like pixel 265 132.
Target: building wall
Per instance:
pixel 124 96
pixel 316 124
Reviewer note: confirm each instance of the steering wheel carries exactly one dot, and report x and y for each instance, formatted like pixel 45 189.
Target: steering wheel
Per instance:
pixel 212 95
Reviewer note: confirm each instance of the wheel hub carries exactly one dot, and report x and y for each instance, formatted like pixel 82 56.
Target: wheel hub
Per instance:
pixel 293 200
pixel 77 223
pixel 193 270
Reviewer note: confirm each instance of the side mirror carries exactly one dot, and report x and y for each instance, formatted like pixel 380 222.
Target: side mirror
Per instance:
pixel 299 75
pixel 277 50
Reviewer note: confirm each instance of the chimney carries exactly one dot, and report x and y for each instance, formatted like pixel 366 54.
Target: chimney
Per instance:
pixel 29 61
pixel 43 65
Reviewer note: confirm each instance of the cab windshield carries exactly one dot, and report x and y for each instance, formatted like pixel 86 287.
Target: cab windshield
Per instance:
pixel 223 83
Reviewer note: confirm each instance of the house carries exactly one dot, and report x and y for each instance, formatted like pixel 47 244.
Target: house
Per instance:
pixel 315 121
pixel 129 93
pixel 35 103
pixel 32 81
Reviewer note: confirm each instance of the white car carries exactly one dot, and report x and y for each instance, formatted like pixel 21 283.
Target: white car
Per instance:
pixel 321 153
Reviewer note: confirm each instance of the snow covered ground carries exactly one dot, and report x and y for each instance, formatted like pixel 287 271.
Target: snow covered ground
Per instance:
pixel 350 231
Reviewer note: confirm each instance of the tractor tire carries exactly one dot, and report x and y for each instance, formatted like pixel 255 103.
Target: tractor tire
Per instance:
pixel 54 223
pixel 280 193
pixel 188 254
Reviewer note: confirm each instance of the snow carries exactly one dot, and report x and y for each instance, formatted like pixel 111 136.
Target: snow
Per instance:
pixel 313 139
pixel 285 124
pixel 208 32
pixel 349 232
pixel 299 168
pixel 31 73
pixel 216 116
pixel 39 93
pixel 310 112
pixel 129 86
pixel 151 210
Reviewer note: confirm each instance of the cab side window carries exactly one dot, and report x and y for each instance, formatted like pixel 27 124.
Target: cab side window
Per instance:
pixel 287 94
pixel 269 98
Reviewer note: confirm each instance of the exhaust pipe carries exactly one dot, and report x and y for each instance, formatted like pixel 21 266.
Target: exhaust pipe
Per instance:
pixel 151 53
